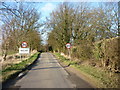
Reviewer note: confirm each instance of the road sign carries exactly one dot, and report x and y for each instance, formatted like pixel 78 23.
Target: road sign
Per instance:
pixel 68 45
pixel 24 50
pixel 24 44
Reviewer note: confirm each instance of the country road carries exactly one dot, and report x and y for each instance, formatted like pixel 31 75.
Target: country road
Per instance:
pixel 48 73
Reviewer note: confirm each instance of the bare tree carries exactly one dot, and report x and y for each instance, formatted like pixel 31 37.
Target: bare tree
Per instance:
pixel 19 23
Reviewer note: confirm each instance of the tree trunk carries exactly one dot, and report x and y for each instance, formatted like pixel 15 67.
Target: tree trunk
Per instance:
pixel 4 55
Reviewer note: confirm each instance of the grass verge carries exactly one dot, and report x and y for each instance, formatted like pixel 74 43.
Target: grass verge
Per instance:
pixel 16 68
pixel 102 78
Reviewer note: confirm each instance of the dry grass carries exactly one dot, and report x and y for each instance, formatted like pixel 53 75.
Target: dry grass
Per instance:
pixel 8 71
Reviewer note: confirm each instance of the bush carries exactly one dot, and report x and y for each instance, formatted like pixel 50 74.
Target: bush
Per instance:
pixel 83 51
pixel 107 51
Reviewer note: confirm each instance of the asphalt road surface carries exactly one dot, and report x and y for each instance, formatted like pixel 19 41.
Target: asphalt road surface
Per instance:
pixel 48 73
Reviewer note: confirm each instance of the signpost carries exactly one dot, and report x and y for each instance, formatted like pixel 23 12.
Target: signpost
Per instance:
pixel 68 46
pixel 24 44
pixel 23 49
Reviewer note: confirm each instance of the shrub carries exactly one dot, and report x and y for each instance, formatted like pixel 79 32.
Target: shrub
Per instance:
pixel 107 51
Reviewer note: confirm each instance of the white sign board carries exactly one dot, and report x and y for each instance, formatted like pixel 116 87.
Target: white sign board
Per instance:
pixel 68 45
pixel 24 50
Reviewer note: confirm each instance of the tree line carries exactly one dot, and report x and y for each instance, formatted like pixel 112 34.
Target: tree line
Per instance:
pixel 82 25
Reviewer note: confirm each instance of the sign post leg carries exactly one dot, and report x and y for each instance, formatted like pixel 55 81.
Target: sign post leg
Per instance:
pixel 20 57
pixel 70 54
